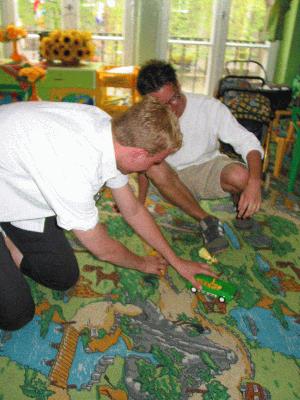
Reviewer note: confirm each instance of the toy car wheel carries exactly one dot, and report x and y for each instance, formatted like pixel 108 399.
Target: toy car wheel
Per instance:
pixel 194 290
pixel 222 299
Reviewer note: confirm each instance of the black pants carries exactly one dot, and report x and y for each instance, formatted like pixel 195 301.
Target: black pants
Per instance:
pixel 48 259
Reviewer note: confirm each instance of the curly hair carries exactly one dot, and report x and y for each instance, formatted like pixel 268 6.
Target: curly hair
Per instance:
pixel 153 75
pixel 149 125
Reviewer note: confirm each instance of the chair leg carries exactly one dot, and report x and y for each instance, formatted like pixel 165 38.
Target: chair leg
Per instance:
pixel 295 164
pixel 280 152
pixel 266 146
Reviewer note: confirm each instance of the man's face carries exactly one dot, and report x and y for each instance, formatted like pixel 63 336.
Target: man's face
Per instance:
pixel 171 95
pixel 139 160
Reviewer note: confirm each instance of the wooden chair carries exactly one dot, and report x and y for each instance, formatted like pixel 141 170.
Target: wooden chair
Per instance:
pixel 283 137
pixel 111 78
pixel 76 95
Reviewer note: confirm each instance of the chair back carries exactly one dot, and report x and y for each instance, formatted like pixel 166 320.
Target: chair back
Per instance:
pixel 110 78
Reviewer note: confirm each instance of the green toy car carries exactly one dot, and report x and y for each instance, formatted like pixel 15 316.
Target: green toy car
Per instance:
pixel 224 291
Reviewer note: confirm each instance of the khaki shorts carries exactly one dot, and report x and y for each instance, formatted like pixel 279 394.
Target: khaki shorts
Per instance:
pixel 204 180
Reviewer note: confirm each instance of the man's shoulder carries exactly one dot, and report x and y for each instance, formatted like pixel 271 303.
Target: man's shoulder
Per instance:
pixel 203 103
pixel 46 108
pixel 197 98
pixel 74 107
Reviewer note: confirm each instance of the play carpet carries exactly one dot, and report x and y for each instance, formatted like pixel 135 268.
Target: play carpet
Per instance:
pixel 122 335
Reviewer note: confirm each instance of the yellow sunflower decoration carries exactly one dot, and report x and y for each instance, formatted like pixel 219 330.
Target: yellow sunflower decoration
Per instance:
pixel 69 47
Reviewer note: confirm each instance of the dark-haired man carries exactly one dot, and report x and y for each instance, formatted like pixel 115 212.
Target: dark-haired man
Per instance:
pixel 198 170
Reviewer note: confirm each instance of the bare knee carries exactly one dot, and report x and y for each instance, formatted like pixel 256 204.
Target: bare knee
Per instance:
pixel 234 178
pixel 161 173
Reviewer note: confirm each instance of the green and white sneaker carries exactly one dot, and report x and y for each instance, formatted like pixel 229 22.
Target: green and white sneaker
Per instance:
pixel 213 234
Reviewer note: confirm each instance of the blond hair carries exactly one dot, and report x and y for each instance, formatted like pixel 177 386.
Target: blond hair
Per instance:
pixel 149 125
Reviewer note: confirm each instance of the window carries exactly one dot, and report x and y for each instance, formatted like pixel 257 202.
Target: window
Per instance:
pixel 105 19
pixel 40 15
pixel 247 20
pixel 246 33
pixel 1 46
pixel 203 34
pixel 190 19
pixel 189 40
pixel 102 17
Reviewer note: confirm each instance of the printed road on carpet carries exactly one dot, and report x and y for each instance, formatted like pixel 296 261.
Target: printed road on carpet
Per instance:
pixel 120 334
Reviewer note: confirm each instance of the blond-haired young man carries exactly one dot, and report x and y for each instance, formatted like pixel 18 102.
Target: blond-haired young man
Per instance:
pixel 54 158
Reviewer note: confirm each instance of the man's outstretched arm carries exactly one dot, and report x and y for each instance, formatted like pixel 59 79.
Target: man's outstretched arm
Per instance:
pixel 105 248
pixel 99 243
pixel 143 223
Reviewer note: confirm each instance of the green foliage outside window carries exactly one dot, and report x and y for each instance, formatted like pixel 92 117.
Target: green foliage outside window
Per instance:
pixel 193 19
pixel 104 16
pixel 1 47
pixel 49 20
pixel 190 19
pixel 247 21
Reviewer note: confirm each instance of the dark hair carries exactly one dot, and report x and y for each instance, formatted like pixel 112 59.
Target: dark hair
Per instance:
pixel 153 75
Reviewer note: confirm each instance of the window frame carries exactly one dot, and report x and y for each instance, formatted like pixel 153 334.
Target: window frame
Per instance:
pixel 10 15
pixel 217 43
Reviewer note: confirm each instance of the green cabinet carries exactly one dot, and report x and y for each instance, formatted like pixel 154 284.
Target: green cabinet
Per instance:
pixel 83 76
pixel 68 77
pixel 6 79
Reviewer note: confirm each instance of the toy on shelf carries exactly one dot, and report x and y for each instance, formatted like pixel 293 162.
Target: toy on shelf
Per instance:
pixel 224 291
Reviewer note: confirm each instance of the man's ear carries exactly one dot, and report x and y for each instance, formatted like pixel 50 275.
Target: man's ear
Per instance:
pixel 138 153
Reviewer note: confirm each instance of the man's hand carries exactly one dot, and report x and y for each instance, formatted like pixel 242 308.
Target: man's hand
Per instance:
pixel 154 265
pixel 188 269
pixel 250 199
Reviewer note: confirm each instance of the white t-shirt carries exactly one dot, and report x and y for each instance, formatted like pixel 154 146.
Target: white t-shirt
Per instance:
pixel 204 121
pixel 54 158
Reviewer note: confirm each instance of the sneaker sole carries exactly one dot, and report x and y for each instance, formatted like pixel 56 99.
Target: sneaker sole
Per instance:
pixel 217 246
pixel 243 224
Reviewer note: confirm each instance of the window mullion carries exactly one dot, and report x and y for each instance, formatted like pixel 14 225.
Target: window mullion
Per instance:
pixel 129 31
pixel 9 16
pixel 70 14
pixel 221 13
pixel 163 30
